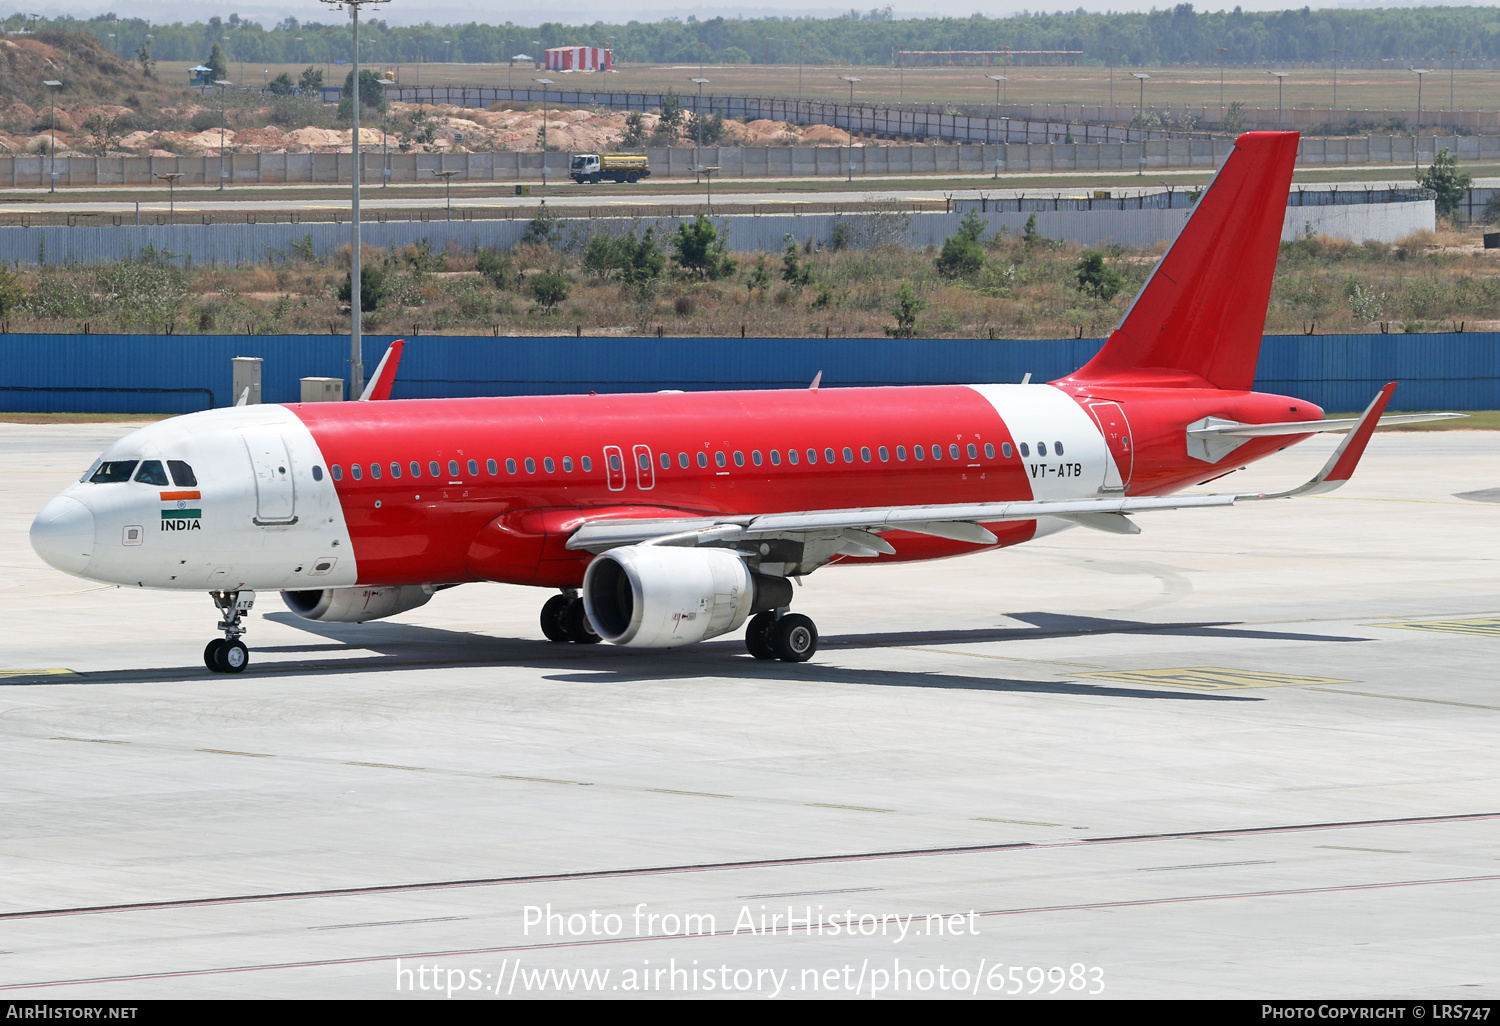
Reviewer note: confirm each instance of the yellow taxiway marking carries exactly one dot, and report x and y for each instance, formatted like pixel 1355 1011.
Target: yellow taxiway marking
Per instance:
pixel 1345 847
pixel 383 765
pixel 8 674
pixel 1404 698
pixel 226 751
pixel 92 740
pixel 857 808
pixel 1023 822
pixel 535 780
pixel 1212 678
pixel 696 794
pixel 1486 625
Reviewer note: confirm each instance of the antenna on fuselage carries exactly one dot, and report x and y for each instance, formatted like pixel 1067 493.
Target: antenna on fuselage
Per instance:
pixel 1027 379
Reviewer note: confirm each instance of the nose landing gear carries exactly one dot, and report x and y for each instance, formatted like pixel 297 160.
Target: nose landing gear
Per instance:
pixel 229 654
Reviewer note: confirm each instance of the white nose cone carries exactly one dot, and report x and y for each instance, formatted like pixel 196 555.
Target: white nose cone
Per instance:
pixel 63 534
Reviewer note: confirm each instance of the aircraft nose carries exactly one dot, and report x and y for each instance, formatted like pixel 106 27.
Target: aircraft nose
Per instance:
pixel 63 534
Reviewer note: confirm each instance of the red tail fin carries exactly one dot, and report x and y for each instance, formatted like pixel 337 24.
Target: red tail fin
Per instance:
pixel 1200 317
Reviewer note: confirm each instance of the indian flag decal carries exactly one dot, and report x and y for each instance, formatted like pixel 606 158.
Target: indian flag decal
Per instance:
pixel 181 505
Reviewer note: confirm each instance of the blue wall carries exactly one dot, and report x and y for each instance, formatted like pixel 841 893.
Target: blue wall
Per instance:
pixel 103 373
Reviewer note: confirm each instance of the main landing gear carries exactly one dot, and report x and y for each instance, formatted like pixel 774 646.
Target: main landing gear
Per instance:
pixel 564 619
pixel 229 654
pixel 790 637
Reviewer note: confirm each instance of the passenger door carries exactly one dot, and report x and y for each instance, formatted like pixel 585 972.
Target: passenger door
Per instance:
pixel 614 468
pixel 645 473
pixel 1116 430
pixel 275 489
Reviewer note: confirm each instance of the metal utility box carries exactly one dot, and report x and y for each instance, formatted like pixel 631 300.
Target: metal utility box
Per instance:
pixel 246 377
pixel 322 390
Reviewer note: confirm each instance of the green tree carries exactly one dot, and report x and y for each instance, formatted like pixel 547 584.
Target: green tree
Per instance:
pixel 1095 279
pixel 372 287
pixel 962 256
pixel 700 251
pixel 635 130
pixel 494 267
pixel 145 60
pixel 549 289
pixel 792 271
pixel 371 93
pixel 711 127
pixel 1029 233
pixel 1444 178
pixel 281 85
pixel 218 68
pixel 311 80
pixel 908 305
pixel 11 291
pixel 544 228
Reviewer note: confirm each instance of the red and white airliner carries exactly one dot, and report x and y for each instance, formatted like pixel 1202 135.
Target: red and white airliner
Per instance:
pixel 665 519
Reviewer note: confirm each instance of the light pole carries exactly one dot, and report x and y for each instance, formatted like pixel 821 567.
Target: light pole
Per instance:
pixel 851 80
pixel 1141 117
pixel 385 135
pixel 702 49
pixel 509 65
pixel 801 56
pixel 449 59
pixel 1110 60
pixel 171 179
pixel 1452 61
pixel 1335 53
pixel 1222 51
pixel 698 118
pixel 223 84
pixel 545 83
pixel 1419 72
pixel 356 291
pixel 1279 76
pixel 447 177
pixel 53 86
pixel 708 177
pixel 997 79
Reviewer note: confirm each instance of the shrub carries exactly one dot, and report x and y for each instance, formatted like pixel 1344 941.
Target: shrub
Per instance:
pixel 11 291
pixel 544 228
pixel 494 267
pixel 962 256
pixel 372 287
pixel 1445 179
pixel 549 289
pixel 1095 279
pixel 700 251
pixel 792 271
pixel 908 305
pixel 281 85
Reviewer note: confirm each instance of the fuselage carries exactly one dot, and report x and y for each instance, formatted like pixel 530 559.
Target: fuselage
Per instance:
pixel 432 492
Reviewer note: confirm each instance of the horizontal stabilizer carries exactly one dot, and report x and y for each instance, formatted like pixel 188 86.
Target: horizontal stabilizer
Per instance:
pixel 1340 466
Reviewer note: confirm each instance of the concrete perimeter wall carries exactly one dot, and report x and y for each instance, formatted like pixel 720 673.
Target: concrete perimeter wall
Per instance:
pixel 182 373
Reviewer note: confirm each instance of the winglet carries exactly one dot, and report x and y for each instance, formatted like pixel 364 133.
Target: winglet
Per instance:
pixel 1340 466
pixel 385 374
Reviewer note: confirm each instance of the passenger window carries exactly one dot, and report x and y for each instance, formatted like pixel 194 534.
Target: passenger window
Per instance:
pixel 775 457
pixel 1005 449
pixel 375 471
pixel 338 472
pixel 864 453
pixel 682 460
pixel 395 470
pixel 453 468
pixel 848 455
pixel 666 461
pixel 901 453
pixel 567 464
pixel 953 450
pixel 182 474
pixel 614 462
pixel 755 456
pixel 152 473
pixel 703 459
pixel 989 450
pixel 720 459
pixel 812 457
pixel 356 471
pixel 510 466
pixel 494 468
pixel 317 473
pixel 643 460
pixel 416 469
pixel 791 456
pixel 973 451
pixel 530 465
pixel 919 452
pixel 739 458
pixel 1041 448
pixel 549 466
pixel 473 468
pixel 586 463
pixel 885 455
pixel 1057 448
pixel 1025 450
pixel 937 453
pixel 434 469
pixel 828 456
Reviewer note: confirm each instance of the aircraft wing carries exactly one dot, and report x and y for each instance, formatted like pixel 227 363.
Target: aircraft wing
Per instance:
pixel 960 522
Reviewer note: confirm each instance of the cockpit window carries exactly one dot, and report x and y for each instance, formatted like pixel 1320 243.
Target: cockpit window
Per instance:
pixel 90 472
pixel 182 474
pixel 113 471
pixel 152 473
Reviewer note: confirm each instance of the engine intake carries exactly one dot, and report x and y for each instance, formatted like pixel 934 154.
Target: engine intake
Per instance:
pixel 658 596
pixel 355 605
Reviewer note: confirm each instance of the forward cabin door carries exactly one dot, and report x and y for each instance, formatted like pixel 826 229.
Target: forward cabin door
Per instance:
pixel 614 468
pixel 645 473
pixel 1116 431
pixel 275 491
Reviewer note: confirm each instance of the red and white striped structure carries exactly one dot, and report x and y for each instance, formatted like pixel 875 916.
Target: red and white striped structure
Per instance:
pixel 578 58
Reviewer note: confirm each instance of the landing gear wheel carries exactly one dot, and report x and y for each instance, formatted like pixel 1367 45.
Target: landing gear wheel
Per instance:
pixel 211 655
pixel 794 638
pixel 233 657
pixel 758 635
pixel 553 612
pixel 576 623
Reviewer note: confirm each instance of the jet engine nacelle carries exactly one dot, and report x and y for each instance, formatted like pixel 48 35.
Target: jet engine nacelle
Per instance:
pixel 659 596
pixel 355 605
